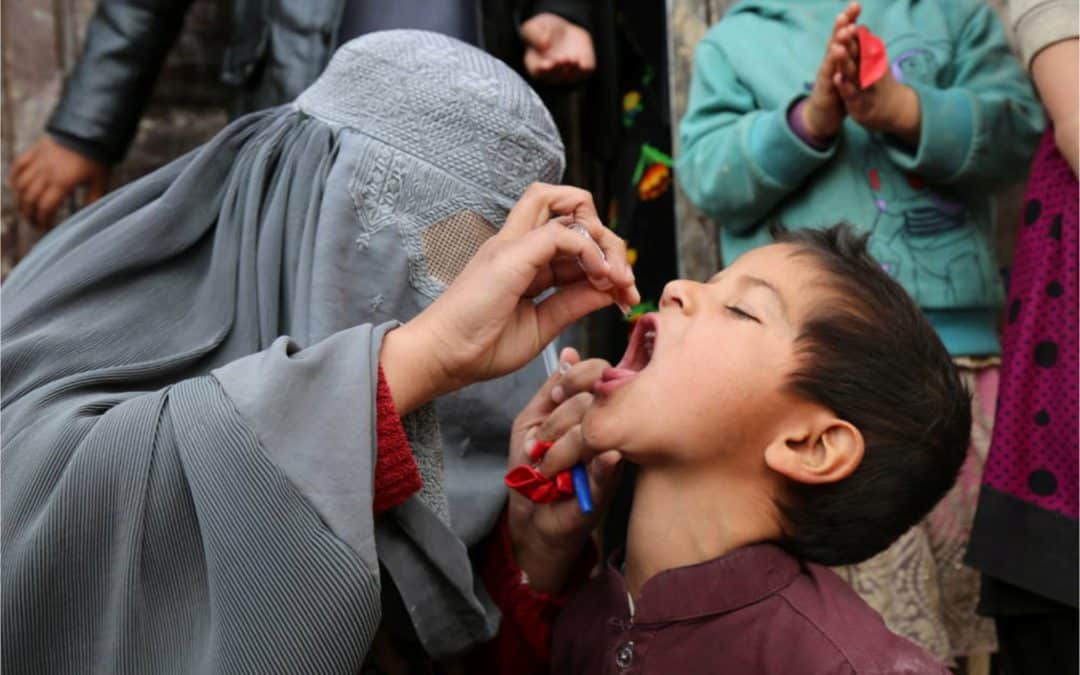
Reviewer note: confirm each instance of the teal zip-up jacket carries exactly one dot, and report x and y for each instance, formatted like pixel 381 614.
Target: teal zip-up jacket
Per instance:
pixel 928 208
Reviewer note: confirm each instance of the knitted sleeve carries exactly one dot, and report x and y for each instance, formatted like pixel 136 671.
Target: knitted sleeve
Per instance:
pixel 523 643
pixel 396 475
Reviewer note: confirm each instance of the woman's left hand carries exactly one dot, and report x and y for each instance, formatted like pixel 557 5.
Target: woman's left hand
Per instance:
pixel 487 324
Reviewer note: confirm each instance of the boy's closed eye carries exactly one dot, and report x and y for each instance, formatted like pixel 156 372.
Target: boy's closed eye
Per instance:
pixel 742 315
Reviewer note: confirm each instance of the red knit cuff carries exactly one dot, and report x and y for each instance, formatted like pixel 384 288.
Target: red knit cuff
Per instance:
pixel 527 614
pixel 396 475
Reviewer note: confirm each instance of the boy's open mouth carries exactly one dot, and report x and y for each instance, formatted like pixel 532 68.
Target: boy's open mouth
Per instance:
pixel 638 355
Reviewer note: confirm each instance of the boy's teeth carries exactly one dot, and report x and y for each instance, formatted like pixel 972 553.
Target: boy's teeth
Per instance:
pixel 649 343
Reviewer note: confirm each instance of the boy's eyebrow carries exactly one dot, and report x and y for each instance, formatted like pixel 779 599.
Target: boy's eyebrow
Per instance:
pixel 747 280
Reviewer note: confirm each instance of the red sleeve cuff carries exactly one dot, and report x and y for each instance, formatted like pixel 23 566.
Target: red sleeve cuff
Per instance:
pixel 528 615
pixel 396 475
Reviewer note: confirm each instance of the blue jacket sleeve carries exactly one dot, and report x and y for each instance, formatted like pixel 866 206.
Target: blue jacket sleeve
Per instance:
pixel 736 161
pixel 983 125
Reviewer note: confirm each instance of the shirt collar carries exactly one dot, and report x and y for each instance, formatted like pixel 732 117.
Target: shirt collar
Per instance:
pixel 723 584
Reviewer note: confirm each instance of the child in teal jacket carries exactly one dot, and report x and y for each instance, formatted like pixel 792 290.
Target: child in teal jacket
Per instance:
pixel 915 158
pixel 775 132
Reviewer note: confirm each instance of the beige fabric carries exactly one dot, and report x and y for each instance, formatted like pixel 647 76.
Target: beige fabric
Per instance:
pixel 452 242
pixel 1041 23
pixel 919 584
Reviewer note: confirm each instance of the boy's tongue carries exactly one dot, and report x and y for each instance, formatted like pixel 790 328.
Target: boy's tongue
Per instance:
pixel 612 379
pixel 637 357
pixel 623 371
pixel 617 373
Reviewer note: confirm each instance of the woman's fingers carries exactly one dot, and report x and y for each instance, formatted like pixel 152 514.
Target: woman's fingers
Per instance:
pixel 612 247
pixel 604 262
pixel 539 248
pixel 541 202
pixel 567 305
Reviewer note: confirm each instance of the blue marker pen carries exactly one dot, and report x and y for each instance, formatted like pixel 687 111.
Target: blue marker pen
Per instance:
pixel 581 487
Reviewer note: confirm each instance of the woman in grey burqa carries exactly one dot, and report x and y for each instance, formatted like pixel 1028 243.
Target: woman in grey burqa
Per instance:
pixel 185 489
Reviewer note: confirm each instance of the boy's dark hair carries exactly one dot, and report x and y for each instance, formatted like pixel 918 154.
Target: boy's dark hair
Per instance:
pixel 871 357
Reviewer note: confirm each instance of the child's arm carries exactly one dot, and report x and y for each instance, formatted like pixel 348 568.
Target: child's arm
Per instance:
pixel 523 643
pixel 736 161
pixel 981 124
pixel 1054 69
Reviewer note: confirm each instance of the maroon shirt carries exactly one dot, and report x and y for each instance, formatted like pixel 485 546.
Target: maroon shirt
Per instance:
pixel 757 610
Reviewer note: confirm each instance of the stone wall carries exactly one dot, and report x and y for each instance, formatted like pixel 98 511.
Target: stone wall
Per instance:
pixel 41 40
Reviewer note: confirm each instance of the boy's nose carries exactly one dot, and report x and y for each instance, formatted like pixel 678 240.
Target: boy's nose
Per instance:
pixel 678 294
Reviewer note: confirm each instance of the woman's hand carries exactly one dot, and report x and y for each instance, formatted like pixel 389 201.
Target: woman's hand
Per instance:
pixel 487 324
pixel 548 538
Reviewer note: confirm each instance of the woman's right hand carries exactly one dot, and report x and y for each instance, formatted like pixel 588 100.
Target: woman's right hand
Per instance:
pixel 487 324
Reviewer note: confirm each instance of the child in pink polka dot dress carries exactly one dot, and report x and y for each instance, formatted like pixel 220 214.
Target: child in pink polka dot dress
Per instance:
pixel 1026 536
pixel 1033 459
pixel 1025 533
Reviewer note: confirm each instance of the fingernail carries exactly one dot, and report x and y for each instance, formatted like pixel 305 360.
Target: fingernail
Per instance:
pixel 564 367
pixel 558 394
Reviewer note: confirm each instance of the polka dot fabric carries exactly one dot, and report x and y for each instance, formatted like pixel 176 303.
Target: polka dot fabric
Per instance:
pixel 1034 451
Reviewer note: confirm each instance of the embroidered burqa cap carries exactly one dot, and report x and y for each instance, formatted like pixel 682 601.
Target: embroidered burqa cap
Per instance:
pixel 183 487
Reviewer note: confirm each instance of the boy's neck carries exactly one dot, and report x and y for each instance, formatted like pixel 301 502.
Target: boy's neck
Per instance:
pixel 682 517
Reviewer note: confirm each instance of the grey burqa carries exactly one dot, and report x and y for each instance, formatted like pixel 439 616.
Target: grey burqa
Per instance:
pixel 185 489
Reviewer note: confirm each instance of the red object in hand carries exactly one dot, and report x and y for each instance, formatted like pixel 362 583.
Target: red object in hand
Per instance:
pixel 538 450
pixel 531 483
pixel 873 61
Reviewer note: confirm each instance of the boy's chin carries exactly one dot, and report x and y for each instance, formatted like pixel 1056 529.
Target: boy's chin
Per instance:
pixel 603 427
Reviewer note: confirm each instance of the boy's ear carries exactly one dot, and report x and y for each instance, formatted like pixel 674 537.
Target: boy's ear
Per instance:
pixel 821 448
